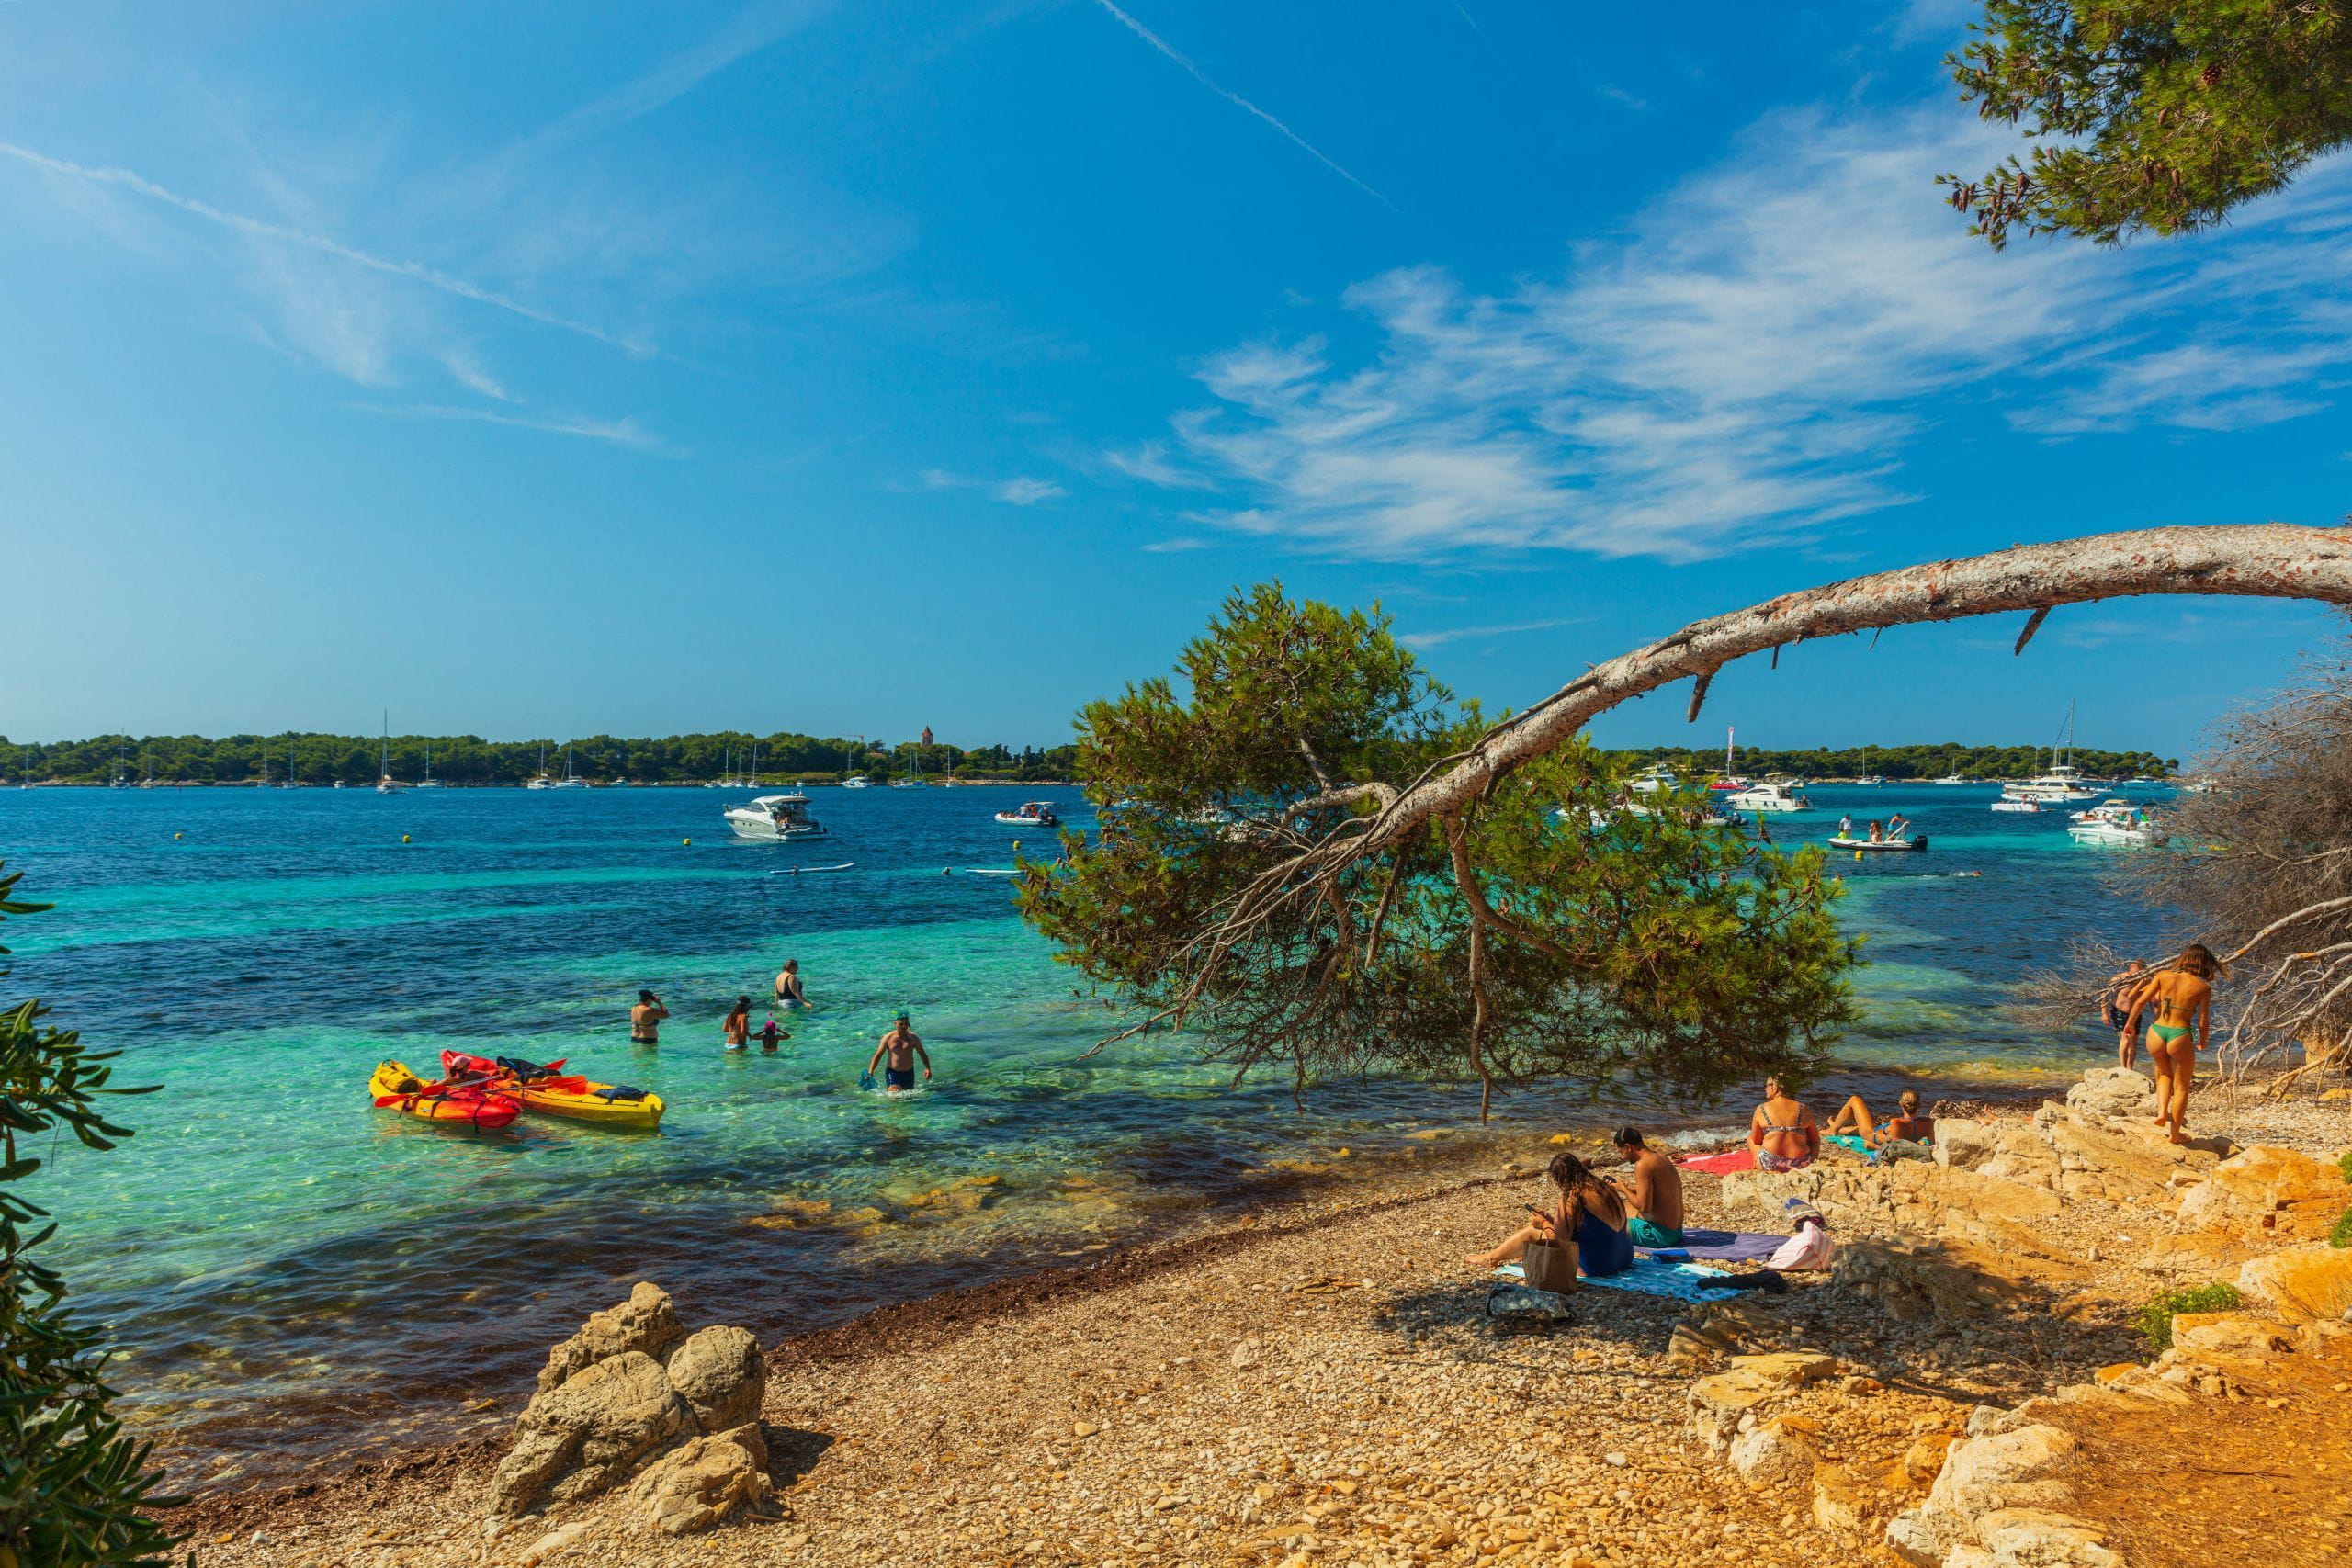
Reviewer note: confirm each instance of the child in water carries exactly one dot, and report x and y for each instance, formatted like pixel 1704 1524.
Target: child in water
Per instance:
pixel 770 1034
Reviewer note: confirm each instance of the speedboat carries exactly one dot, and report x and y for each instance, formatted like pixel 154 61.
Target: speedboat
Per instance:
pixel 1655 778
pixel 2062 782
pixel 775 818
pixel 1848 841
pixel 2114 821
pixel 857 781
pixel 1731 781
pixel 2011 803
pixel 1768 796
pixel 1032 814
pixel 1949 779
pixel 1871 779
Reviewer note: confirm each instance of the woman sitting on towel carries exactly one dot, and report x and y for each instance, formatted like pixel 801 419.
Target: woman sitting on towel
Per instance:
pixel 1783 1132
pixel 1589 1212
pixel 1854 1117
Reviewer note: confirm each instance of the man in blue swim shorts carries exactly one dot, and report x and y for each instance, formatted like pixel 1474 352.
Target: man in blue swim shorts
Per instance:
pixel 902 1045
pixel 1653 1191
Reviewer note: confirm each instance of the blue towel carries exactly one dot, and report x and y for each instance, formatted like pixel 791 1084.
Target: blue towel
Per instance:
pixel 1719 1246
pixel 1649 1277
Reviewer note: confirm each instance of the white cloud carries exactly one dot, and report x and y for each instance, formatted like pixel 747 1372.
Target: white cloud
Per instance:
pixel 1019 490
pixel 1749 360
pixel 1468 634
pixel 619 432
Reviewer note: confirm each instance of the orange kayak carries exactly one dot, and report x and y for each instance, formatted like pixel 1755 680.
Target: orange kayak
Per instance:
pixel 550 1091
pixel 396 1088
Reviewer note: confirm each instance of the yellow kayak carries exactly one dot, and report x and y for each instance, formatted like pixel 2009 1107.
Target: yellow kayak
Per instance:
pixel 560 1094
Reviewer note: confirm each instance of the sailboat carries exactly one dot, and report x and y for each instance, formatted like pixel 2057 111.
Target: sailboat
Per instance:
pixel 571 780
pixel 119 782
pixel 385 782
pixel 914 771
pixel 1730 781
pixel 540 780
pixel 857 781
pixel 428 781
pixel 24 768
pixel 292 781
pixel 2064 781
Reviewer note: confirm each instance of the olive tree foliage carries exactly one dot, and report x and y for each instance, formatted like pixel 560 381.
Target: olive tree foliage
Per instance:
pixel 2259 869
pixel 75 1491
pixel 1542 929
pixel 2155 116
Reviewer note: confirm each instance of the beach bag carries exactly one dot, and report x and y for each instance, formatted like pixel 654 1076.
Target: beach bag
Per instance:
pixel 1550 1265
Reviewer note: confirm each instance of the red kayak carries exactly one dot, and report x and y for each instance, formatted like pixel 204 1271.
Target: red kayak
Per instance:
pixel 397 1088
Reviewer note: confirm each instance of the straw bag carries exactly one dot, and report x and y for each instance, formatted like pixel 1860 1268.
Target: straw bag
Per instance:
pixel 1550 1265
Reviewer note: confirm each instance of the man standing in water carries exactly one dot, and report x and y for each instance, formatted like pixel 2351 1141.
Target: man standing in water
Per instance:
pixel 1654 1192
pixel 787 986
pixel 902 1044
pixel 645 1020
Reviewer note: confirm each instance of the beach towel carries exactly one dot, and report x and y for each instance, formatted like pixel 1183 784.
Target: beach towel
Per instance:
pixel 1648 1277
pixel 1719 1246
pixel 1742 1159
pixel 1894 1148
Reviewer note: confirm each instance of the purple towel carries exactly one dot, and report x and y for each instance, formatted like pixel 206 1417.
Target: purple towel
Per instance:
pixel 1719 1246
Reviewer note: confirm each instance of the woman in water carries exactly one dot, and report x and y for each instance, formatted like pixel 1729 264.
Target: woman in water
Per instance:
pixel 739 1025
pixel 2179 1004
pixel 1589 1212
pixel 1783 1132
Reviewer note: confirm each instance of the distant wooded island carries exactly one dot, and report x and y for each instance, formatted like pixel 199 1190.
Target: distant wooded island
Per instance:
pixel 460 759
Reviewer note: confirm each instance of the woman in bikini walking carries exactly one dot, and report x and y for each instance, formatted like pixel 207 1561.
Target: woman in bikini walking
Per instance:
pixel 2179 1004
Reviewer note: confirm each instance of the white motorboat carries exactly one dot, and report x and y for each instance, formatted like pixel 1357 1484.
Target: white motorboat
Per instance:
pixel 2063 781
pixel 857 781
pixel 1871 779
pixel 775 818
pixel 2010 803
pixel 1655 779
pixel 1949 779
pixel 2114 821
pixel 1032 814
pixel 1848 841
pixel 1768 796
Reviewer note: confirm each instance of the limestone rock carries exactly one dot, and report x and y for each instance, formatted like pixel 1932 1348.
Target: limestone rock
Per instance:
pixel 1718 1403
pixel 2311 1285
pixel 1915 1279
pixel 1839 1501
pixel 1924 1460
pixel 719 1372
pixel 2205 1254
pixel 702 1482
pixel 2122 1161
pixel 2037 1538
pixel 2228 1332
pixel 583 1437
pixel 2281 1192
pixel 1964 1145
pixel 647 1323
pixel 1775 1454
pixel 2114 1091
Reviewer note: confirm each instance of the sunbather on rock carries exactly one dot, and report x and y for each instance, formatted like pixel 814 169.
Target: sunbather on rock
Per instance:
pixel 1854 1118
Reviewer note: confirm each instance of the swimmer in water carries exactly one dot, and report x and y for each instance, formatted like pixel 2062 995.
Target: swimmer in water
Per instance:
pixel 902 1045
pixel 738 1029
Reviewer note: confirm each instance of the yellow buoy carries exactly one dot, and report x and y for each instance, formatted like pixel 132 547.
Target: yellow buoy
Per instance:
pixel 686 840
pixel 403 838
pixel 179 835
pixel 1858 855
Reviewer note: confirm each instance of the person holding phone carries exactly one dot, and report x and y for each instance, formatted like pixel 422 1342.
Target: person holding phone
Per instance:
pixel 1587 1210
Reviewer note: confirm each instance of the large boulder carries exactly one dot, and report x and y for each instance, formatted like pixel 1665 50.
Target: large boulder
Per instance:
pixel 704 1481
pixel 2009 1466
pixel 1776 1454
pixel 2267 1192
pixel 646 1322
pixel 2114 1091
pixel 585 1436
pixel 2122 1161
pixel 2311 1285
pixel 1946 1280
pixel 719 1372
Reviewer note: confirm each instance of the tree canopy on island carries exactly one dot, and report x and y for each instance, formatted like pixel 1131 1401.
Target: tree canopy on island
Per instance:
pixel 1546 929
pixel 2155 116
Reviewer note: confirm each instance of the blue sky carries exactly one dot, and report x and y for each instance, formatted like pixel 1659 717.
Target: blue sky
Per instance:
pixel 541 370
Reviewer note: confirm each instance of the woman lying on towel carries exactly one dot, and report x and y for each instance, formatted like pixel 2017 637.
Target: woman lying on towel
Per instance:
pixel 1589 1212
pixel 1854 1117
pixel 1783 1132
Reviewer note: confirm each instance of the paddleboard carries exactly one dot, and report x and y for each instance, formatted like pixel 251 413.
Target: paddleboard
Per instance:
pixel 990 871
pixel 811 870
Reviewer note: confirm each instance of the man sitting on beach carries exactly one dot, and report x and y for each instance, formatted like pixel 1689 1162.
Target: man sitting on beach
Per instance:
pixel 1654 1191
pixel 902 1044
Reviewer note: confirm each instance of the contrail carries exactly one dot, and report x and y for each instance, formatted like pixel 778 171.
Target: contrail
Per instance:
pixel 431 277
pixel 1232 98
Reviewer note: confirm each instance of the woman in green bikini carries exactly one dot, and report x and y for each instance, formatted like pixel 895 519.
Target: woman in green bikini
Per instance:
pixel 2178 1001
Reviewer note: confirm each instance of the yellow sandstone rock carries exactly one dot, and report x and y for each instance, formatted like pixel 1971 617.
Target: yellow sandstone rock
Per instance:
pixel 2311 1285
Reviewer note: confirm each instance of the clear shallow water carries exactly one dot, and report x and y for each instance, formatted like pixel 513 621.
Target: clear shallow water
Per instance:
pixel 284 1262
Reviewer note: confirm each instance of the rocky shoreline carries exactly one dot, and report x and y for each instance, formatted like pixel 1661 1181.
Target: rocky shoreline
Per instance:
pixel 1965 1387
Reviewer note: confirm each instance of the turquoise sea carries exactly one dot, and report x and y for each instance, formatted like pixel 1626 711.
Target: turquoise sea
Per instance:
pixel 286 1265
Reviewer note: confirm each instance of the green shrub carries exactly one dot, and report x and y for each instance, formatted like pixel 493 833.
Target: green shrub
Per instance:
pixel 2344 1163
pixel 73 1489
pixel 2342 1235
pixel 2154 1320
